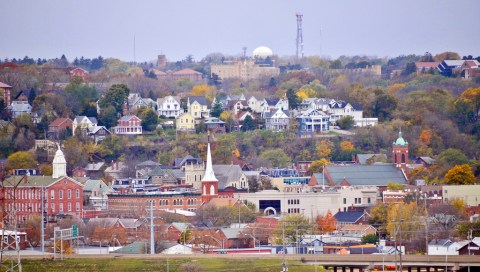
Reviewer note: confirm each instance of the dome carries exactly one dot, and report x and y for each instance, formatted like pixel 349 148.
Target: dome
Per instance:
pixel 262 52
pixel 400 141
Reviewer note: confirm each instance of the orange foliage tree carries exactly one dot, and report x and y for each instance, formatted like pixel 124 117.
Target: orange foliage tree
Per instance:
pixel 327 223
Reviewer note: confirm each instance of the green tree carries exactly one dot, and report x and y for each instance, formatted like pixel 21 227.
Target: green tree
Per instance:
pixel 383 106
pixel 293 100
pixel 80 95
pixel 346 122
pixel 21 160
pixel 108 117
pixel 293 228
pixel 112 147
pixel 31 96
pixel 224 148
pixel 337 64
pixel 116 96
pixel 370 239
pixel 216 109
pixel 409 69
pixel 460 175
pixel 451 157
pixel 248 123
pixel 276 157
pixel 149 119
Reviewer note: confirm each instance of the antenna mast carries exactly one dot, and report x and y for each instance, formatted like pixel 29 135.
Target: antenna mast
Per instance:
pixel 299 34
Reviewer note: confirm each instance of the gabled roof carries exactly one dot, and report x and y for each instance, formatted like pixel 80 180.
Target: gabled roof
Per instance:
pixel 95 129
pixel 92 120
pixel 128 117
pixel 147 163
pixel 181 226
pixel 3 85
pixel 376 175
pixel 174 173
pixel 363 158
pixel 21 106
pixel 35 181
pixel 453 62
pixel 91 184
pixel 440 242
pixel 427 65
pixel 427 160
pixel 177 162
pixel 130 223
pixel 57 122
pixel 272 101
pixel 271 114
pixel 232 233
pixel 163 99
pixel 103 222
pixel 200 99
pixel 213 120
pixel 226 173
pixel 187 71
pixel 348 217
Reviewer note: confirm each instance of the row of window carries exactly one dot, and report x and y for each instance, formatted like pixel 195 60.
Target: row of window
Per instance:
pixel 176 202
pixel 293 201
pixel 61 208
pixel 293 210
pixel 60 194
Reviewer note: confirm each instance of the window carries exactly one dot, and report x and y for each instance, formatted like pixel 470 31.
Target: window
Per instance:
pixel 53 207
pixel 77 193
pixel 52 194
pixel 60 208
pixel 69 193
pixel 69 206
pixel 60 194
pixel 78 206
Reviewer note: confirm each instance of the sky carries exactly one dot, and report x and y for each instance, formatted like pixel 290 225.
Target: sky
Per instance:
pixel 177 28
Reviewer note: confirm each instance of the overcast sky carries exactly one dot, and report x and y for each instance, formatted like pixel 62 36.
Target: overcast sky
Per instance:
pixel 177 28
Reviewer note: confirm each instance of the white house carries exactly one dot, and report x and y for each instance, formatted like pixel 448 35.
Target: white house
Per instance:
pixel 20 107
pixel 277 120
pixel 84 123
pixel 169 106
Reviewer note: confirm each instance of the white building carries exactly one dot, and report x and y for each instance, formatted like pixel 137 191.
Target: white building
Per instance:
pixel 169 106
pixel 84 123
pixel 311 203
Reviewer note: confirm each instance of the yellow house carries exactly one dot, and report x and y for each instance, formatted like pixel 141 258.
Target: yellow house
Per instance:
pixel 185 122
pixel 198 107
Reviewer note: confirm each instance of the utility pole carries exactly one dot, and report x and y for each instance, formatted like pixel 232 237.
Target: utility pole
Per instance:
pixel 152 233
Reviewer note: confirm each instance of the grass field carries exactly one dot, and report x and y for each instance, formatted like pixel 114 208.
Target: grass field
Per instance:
pixel 193 264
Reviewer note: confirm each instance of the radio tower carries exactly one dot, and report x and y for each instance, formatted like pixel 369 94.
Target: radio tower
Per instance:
pixel 299 34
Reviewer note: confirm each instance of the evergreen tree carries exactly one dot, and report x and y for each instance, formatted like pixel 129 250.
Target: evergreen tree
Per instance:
pixel 31 96
pixel 216 109
pixel 248 123
pixel 293 100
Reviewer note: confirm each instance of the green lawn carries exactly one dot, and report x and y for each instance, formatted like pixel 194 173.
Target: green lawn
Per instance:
pixel 175 265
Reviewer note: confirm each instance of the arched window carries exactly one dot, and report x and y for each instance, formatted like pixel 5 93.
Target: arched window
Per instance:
pixel 204 190
pixel 395 158
pixel 403 158
pixel 212 190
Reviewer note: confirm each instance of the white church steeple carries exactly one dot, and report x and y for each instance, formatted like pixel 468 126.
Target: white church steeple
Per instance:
pixel 59 164
pixel 209 174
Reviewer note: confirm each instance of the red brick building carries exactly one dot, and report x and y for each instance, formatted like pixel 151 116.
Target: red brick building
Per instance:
pixel 22 195
pixel 59 126
pixel 79 72
pixel 6 93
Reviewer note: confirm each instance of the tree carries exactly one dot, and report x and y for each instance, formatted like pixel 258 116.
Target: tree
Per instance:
pixel 108 117
pixel 227 117
pixel 395 186
pixel 410 68
pixel 383 106
pixel 327 223
pixel 317 166
pixel 293 227
pixel 248 123
pixel 80 95
pixel 149 119
pixel 403 221
pixel 346 146
pixel 216 109
pixel 324 148
pixel 460 175
pixel 21 160
pixel 116 96
pixel 224 148
pixel 370 239
pixel 447 56
pixel 346 122
pixel 378 218
pixel 276 157
pixel 31 96
pixel 451 157
pixel 293 100
pixel 337 64
pixel 472 96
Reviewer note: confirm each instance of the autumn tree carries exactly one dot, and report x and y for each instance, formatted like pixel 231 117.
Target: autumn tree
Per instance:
pixel 21 160
pixel 324 148
pixel 460 175
pixel 346 122
pixel 293 228
pixel 204 90
pixel 404 220
pixel 327 223
pixel 224 146
pixel 317 166
pixel 472 96
pixel 378 217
